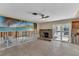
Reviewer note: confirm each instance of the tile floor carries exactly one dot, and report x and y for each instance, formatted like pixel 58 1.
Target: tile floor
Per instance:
pixel 42 48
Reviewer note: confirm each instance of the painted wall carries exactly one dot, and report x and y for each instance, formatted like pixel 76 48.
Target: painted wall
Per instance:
pixel 49 25
pixel 8 24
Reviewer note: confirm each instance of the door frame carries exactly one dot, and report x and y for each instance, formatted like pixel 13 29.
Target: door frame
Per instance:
pixel 70 27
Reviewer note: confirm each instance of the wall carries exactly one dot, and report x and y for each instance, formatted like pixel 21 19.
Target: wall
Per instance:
pixel 45 25
pixel 49 25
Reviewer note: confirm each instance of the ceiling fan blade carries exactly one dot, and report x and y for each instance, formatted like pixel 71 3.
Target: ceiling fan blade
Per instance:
pixel 40 14
pixel 46 17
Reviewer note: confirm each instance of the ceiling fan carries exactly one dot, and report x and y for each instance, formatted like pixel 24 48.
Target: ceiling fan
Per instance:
pixel 40 14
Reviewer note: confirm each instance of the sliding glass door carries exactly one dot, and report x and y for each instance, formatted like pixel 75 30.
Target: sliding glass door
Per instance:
pixel 61 32
pixel 65 32
pixel 57 32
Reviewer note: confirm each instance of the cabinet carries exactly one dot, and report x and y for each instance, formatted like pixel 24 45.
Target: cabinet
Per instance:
pixel 75 32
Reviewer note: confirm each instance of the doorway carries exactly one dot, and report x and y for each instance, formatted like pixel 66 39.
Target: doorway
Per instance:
pixel 61 32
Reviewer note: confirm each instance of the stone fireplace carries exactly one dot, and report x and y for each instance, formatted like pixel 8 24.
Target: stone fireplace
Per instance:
pixel 46 34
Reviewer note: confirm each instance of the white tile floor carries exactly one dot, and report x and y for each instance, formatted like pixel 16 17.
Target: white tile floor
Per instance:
pixel 43 48
pixel 6 43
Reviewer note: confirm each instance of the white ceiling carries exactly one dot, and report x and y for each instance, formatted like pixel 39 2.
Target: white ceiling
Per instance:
pixel 57 11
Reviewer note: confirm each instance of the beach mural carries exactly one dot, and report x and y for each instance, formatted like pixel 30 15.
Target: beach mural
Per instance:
pixel 9 24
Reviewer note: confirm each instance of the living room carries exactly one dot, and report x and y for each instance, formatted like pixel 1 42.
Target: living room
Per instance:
pixel 49 29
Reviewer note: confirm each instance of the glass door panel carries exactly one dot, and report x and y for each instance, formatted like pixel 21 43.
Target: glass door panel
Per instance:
pixel 65 32
pixel 57 32
pixel 61 32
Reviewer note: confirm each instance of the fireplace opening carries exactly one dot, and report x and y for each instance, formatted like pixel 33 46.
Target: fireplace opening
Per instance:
pixel 46 35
